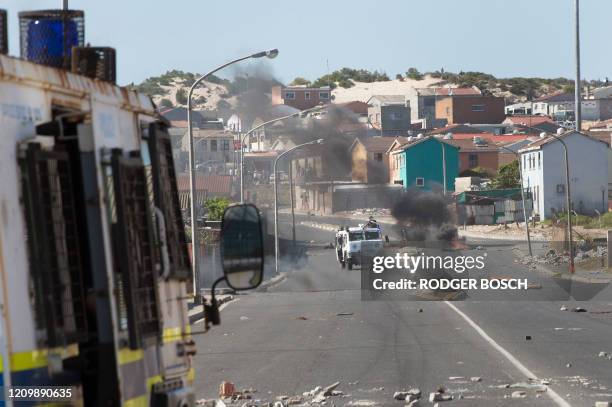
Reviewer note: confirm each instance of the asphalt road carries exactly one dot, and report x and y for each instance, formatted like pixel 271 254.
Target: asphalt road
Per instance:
pixel 313 329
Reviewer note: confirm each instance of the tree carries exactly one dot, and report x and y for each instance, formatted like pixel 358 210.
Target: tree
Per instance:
pixel 299 81
pixel 216 207
pixel 413 73
pixel 508 176
pixel 399 77
pixel 181 96
pixel 165 102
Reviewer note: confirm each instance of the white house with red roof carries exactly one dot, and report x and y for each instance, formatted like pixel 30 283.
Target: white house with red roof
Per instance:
pixel 543 166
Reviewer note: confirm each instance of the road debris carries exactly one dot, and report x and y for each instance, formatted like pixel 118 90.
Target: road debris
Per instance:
pixel 579 309
pixel 226 389
pixel 302 318
pixel 606 355
pixel 243 318
pixel 408 395
pixel 563 308
pixel 603 404
pixel 519 394
pixel 344 314
pixel 452 378
pixel 439 396
pixel 475 379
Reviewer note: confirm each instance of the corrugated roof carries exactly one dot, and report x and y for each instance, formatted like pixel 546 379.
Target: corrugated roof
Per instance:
pixel 549 139
pixel 528 120
pixel 378 144
pixel 556 97
pixel 214 184
pixel 470 146
pixel 445 91
pixel 389 99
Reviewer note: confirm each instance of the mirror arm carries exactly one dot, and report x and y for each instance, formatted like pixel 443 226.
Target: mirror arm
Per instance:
pixel 211 311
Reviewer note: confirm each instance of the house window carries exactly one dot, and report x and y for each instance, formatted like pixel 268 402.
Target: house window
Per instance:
pixel 323 95
pixel 226 144
pixel 307 95
pixel 290 95
pixel 203 144
pixel 478 108
pixel 213 145
pixel 420 182
pixel 473 159
pixel 398 182
pixel 378 156
pixel 539 160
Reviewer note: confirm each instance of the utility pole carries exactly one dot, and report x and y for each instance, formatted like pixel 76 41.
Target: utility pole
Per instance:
pixel 577 87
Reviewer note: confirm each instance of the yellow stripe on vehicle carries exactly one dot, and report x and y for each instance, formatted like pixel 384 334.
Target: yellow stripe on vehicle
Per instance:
pixel 128 355
pixel 174 334
pixel 191 375
pixel 153 380
pixel 140 401
pixel 38 358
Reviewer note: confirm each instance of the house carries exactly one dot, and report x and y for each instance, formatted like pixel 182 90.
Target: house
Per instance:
pixel 477 153
pixel 214 149
pixel 358 108
pixel 522 108
pixel 370 160
pixel 548 105
pixel 543 166
pixel 418 163
pixel 423 103
pixel 300 97
pixel 390 114
pixel 470 109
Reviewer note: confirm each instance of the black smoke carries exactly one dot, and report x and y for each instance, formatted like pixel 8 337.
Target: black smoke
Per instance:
pixel 424 215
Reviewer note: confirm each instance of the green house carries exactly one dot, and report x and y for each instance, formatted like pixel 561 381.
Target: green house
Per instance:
pixel 418 164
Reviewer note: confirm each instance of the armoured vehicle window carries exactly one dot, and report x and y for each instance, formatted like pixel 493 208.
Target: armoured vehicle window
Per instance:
pixel 372 235
pixel 353 236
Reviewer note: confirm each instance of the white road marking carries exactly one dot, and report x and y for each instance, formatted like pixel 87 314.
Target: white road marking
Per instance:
pixel 522 368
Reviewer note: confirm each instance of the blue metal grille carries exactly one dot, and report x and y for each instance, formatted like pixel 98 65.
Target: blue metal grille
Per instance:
pixel 47 36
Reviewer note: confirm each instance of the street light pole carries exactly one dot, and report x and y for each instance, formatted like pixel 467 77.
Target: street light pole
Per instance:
pixel 319 141
pixel 192 186
pixel 278 119
pixel 568 201
pixel 518 157
pixel 577 84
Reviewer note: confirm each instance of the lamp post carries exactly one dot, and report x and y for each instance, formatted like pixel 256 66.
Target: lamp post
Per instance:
pixel 577 84
pixel 278 119
pixel 319 141
pixel 192 187
pixel 518 157
pixel 567 198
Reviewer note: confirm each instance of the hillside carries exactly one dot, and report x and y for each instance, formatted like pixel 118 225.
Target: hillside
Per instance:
pixel 170 89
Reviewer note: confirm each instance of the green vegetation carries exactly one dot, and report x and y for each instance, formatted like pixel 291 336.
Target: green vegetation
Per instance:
pixel 299 81
pixel 165 102
pixel 345 77
pixel 181 96
pixel 475 172
pixel 216 207
pixel 588 222
pixel 508 176
pixel 413 73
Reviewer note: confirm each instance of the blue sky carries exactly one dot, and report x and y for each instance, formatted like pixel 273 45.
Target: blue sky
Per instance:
pixel 502 37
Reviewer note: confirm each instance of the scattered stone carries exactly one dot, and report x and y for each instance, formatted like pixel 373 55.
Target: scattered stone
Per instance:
pixel 400 395
pixel 243 318
pixel 475 379
pixel 415 392
pixel 294 400
pixel 420 310
pixel 319 398
pixel 579 309
pixel 563 308
pixel 302 318
pixel 328 390
pixel 528 337
pixel 603 404
pixel 337 393
pixel 413 403
pixel 344 314
pixel 603 354
pixel 437 396
pixel 456 378
pixel 312 392
pixel 568 365
pixel 519 394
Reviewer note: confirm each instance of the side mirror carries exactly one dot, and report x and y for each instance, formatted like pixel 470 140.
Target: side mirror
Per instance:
pixel 242 254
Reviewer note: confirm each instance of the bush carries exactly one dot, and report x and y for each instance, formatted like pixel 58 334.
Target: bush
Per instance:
pixel 216 207
pixel 165 102
pixel 413 73
pixel 181 96
pixel 299 81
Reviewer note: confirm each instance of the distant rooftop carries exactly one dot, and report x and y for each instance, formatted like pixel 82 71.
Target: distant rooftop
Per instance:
pixel 446 91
